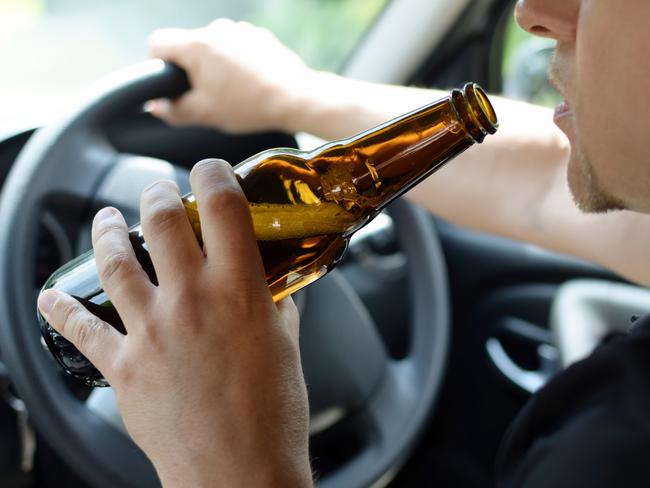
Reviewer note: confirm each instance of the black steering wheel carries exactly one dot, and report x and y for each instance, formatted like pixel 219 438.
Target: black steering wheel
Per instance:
pixel 346 364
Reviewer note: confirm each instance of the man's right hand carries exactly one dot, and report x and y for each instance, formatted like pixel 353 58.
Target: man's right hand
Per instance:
pixel 243 78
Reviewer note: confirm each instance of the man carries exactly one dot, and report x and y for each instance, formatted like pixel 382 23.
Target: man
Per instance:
pixel 588 427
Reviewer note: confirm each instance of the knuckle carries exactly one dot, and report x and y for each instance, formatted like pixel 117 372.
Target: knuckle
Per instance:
pixel 225 199
pixel 198 44
pixel 106 229
pixel 116 264
pixel 159 189
pixel 220 24
pixel 202 167
pixel 185 305
pixel 68 315
pixel 152 335
pixel 182 303
pixel 165 215
pixel 242 303
pixel 85 330
pixel 77 325
pixel 123 373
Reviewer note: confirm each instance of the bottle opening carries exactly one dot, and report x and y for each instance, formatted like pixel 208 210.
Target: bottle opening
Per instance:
pixel 476 111
pixel 483 108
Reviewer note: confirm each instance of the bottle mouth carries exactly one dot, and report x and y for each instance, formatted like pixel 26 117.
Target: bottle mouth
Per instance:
pixel 482 107
pixel 476 111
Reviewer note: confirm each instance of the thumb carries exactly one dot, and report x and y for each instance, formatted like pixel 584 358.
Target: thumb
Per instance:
pixel 94 338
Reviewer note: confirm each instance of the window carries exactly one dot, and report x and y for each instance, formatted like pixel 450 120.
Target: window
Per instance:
pixel 52 49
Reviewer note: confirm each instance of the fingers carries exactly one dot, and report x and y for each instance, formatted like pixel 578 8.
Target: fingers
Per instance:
pixel 170 44
pixel 181 46
pixel 187 110
pixel 226 222
pixel 94 338
pixel 120 273
pixel 172 245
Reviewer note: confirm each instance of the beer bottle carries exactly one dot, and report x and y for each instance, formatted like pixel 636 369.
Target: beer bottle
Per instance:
pixel 305 205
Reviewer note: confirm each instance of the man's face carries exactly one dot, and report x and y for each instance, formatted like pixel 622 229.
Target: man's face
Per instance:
pixel 602 68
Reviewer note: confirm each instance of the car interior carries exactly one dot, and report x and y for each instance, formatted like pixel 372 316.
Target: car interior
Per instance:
pixel 419 349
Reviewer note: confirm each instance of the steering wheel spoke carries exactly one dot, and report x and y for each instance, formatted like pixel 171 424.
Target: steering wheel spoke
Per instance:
pixel 74 170
pixel 397 392
pixel 344 358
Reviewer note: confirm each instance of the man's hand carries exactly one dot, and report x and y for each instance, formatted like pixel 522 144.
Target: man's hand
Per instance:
pixel 243 78
pixel 208 378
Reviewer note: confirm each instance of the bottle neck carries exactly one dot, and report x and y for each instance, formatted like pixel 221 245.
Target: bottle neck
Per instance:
pixel 375 167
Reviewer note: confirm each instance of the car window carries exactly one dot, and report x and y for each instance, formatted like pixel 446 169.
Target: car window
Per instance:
pixel 525 62
pixel 51 49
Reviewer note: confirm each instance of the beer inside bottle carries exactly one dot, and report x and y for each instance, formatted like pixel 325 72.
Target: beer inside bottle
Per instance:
pixel 305 205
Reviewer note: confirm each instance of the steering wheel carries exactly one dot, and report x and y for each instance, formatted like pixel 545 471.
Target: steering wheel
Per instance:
pixel 346 364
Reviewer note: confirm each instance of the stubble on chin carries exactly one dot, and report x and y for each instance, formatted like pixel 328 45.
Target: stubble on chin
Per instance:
pixel 588 193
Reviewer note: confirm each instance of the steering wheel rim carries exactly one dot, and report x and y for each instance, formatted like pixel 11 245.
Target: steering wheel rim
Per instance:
pixel 101 454
pixel 405 396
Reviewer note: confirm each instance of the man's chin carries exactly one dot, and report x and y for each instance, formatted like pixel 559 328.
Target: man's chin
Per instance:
pixel 587 192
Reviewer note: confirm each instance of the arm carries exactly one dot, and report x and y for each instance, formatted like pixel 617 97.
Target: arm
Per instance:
pixel 513 186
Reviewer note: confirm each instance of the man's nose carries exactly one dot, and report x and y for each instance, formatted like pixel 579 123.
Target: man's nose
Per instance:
pixel 556 19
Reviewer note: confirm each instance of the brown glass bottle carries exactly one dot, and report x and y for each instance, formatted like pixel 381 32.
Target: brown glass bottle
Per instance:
pixel 306 205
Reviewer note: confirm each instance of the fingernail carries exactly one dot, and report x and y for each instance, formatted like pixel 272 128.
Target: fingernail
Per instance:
pixel 159 106
pixel 150 106
pixel 104 214
pixel 46 301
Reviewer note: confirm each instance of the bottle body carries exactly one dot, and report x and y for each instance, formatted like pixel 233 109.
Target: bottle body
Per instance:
pixel 306 205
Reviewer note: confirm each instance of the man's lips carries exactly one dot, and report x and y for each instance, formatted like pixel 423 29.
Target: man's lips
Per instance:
pixel 562 110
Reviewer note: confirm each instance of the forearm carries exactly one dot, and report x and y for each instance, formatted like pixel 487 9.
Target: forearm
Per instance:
pixel 503 185
pixel 495 187
pixel 513 185
pixel 251 476
pixel 259 452
pixel 333 107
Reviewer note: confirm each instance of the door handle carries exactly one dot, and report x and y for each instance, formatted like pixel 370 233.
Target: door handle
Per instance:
pixel 539 339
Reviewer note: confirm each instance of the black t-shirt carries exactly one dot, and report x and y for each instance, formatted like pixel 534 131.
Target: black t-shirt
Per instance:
pixel 589 426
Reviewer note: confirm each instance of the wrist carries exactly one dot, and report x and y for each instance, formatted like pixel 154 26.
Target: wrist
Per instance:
pixel 325 106
pixel 261 474
pixel 298 103
pixel 268 465
pixel 331 106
